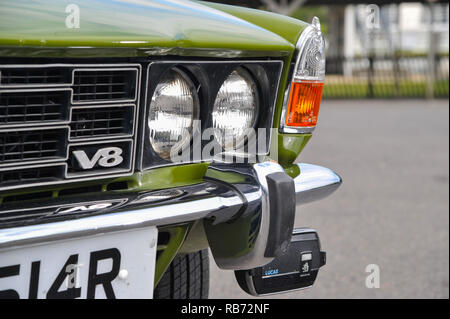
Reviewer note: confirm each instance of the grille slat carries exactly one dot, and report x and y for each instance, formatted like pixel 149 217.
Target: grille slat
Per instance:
pixel 119 128
pixel 100 93
pixel 34 105
pixel 100 120
pixel 102 84
pixel 37 154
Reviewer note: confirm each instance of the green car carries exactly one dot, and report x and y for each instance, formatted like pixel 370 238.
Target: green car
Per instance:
pixel 136 134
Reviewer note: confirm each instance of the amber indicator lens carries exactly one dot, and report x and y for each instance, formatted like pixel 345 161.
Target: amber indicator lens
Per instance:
pixel 304 103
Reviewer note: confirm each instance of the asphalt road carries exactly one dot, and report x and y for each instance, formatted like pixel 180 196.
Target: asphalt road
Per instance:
pixel 392 209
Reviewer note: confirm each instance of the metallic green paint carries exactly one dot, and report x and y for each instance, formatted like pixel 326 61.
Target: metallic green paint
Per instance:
pixel 227 177
pixel 168 252
pixel 290 146
pixel 286 27
pixel 169 177
pixel 157 26
pixel 292 170
pixel 154 179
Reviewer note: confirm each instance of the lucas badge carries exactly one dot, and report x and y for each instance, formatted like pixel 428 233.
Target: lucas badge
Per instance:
pixel 99 158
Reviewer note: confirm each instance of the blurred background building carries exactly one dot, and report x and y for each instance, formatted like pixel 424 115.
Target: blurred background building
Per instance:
pixel 377 49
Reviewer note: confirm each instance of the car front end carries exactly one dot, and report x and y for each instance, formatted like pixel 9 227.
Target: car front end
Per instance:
pixel 125 139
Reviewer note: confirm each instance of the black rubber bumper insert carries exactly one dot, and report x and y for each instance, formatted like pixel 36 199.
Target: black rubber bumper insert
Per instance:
pixel 282 207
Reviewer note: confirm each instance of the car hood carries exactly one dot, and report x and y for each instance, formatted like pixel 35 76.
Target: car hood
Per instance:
pixel 159 26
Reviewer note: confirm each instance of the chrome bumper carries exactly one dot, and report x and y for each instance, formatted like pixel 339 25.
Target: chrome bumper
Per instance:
pixel 314 183
pixel 215 201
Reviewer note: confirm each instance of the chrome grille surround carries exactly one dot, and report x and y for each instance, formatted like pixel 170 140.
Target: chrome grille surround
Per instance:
pixel 93 121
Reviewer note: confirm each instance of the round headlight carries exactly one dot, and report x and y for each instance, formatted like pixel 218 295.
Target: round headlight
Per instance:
pixel 173 109
pixel 235 109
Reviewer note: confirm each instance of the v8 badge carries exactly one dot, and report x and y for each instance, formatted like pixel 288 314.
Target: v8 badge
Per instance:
pixel 104 157
pixel 86 159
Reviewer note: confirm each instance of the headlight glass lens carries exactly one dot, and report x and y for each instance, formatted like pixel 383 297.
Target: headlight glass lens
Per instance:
pixel 235 109
pixel 173 109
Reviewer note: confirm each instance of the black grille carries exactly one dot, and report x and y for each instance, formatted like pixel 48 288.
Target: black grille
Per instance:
pixel 34 76
pixel 33 107
pixel 48 111
pixel 101 121
pixel 97 86
pixel 31 175
pixel 44 144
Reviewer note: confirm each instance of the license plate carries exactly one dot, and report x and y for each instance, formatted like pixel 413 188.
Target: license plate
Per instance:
pixel 112 265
